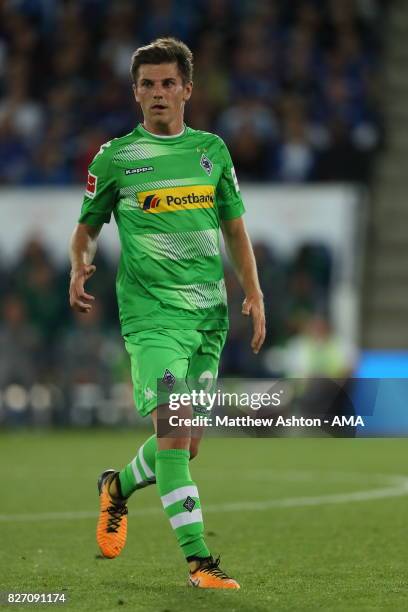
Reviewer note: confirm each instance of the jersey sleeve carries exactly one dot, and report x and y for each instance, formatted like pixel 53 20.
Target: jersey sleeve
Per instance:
pixel 101 193
pixel 229 198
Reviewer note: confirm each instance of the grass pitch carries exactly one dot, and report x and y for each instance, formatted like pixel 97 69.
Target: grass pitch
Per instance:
pixel 303 524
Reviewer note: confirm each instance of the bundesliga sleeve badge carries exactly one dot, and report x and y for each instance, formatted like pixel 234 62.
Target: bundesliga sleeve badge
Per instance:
pixel 91 185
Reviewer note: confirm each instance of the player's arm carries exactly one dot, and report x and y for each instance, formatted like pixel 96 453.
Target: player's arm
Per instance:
pixel 97 206
pixel 242 256
pixel 82 252
pixel 238 244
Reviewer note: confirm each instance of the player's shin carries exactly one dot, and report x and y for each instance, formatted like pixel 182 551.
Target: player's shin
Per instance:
pixel 141 471
pixel 181 502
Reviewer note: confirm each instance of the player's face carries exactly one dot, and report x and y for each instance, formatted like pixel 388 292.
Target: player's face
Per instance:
pixel 161 93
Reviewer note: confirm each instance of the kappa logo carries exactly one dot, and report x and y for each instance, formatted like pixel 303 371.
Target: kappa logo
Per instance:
pixel 91 185
pixel 139 170
pixel 151 201
pixel 206 164
pixel 149 393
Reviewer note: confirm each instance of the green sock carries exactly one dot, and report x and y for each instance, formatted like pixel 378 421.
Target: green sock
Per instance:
pixel 140 472
pixel 181 503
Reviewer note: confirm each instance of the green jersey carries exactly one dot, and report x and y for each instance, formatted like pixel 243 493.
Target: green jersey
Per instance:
pixel 168 196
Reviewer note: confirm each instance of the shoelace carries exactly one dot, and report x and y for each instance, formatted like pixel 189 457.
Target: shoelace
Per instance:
pixel 214 569
pixel 116 514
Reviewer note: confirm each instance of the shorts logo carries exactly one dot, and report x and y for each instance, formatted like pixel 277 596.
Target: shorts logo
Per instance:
pixel 149 393
pixel 168 379
pixel 189 504
pixel 139 170
pixel 151 201
pixel 176 198
pixel 206 164
pixel 91 185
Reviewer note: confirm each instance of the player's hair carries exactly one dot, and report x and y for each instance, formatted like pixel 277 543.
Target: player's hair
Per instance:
pixel 164 51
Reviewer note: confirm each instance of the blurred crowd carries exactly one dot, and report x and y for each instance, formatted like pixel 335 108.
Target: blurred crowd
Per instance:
pixel 293 88
pixel 291 85
pixel 75 361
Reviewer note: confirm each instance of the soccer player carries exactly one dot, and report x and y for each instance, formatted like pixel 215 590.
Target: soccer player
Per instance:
pixel 170 189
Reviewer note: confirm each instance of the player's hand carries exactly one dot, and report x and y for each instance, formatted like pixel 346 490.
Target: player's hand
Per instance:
pixel 78 298
pixel 254 306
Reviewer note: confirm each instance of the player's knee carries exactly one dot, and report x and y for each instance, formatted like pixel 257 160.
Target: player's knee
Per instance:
pixel 173 443
pixel 193 453
pixel 193 450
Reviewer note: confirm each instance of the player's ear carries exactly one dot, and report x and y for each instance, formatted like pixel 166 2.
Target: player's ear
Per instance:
pixel 188 90
pixel 135 92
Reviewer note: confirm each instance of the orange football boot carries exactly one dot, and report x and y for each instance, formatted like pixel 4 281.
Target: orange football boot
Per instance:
pixel 210 576
pixel 111 529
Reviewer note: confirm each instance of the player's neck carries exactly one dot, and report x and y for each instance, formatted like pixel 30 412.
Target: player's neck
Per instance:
pixel 161 129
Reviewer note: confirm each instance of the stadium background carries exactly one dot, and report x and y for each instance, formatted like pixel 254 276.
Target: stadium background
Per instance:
pixel 311 98
pixel 297 91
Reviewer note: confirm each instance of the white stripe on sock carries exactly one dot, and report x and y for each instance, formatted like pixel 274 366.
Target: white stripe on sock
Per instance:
pixel 179 495
pixel 185 518
pixel 136 472
pixel 146 469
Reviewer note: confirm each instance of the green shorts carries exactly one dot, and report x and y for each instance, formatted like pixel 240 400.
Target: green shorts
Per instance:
pixel 171 354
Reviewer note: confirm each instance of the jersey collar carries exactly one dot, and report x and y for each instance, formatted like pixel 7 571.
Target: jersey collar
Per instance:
pixel 173 138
